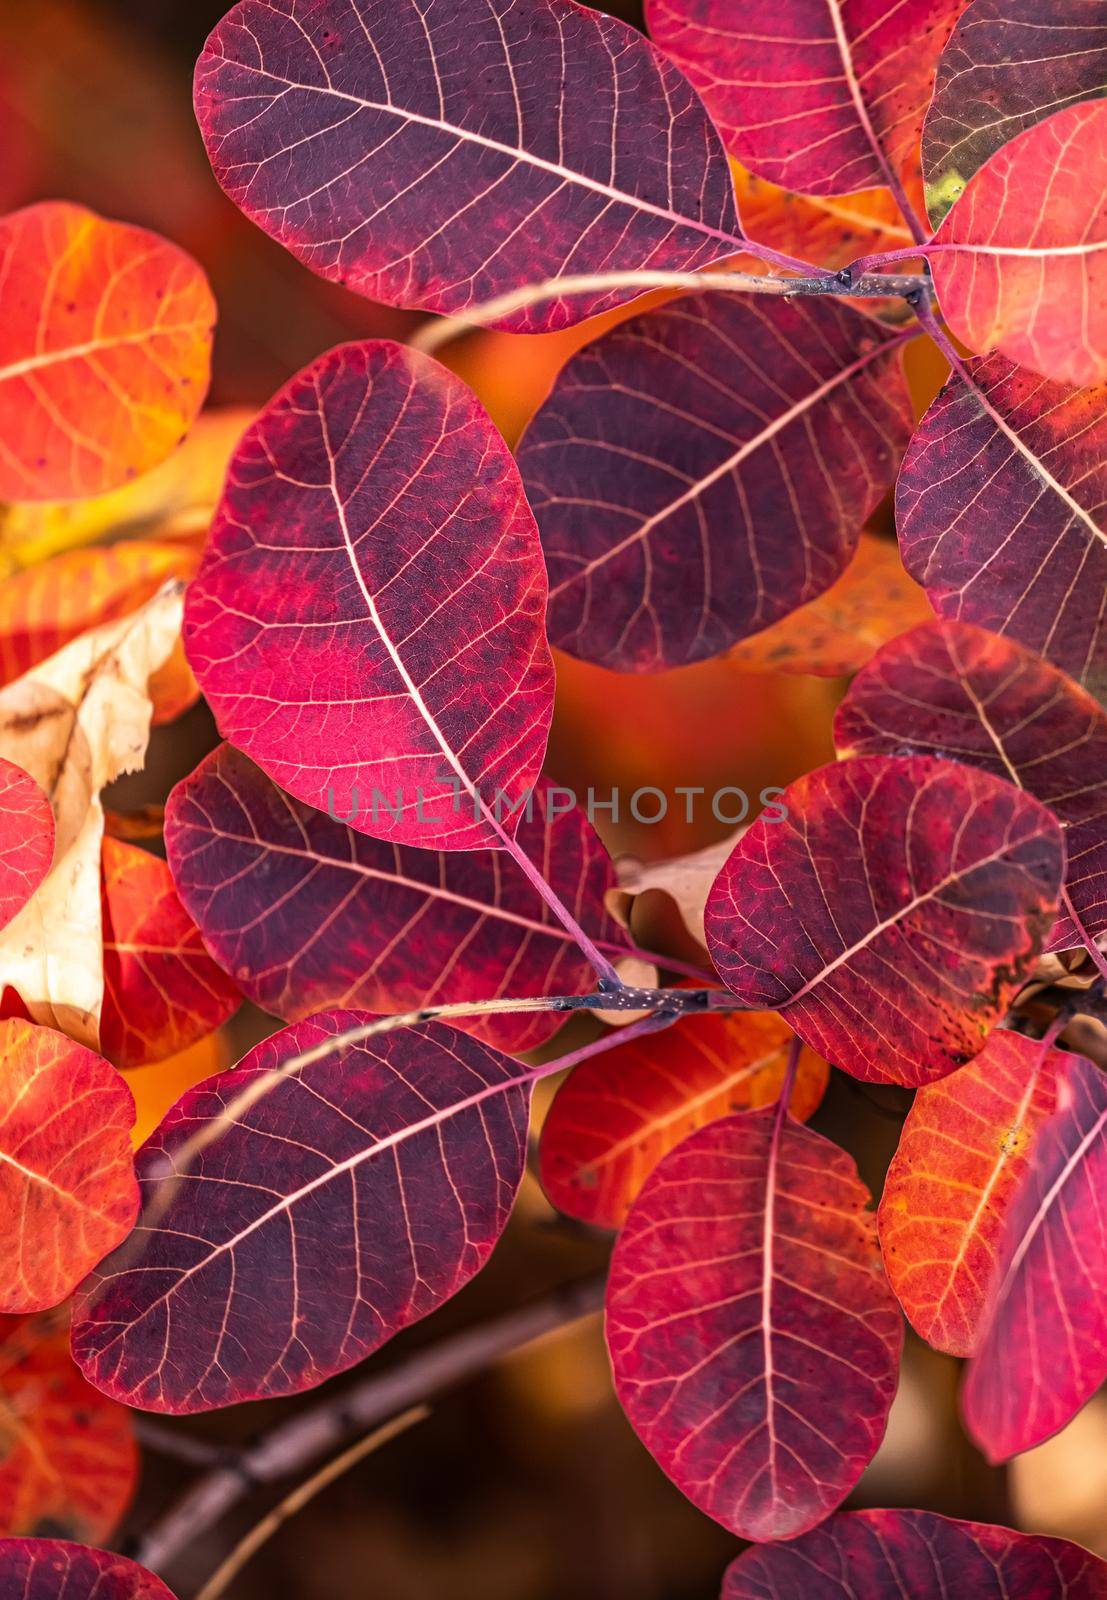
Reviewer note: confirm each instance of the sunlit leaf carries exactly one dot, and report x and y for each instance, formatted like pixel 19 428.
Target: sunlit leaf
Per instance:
pixel 830 230
pixel 1020 262
pixel 1000 510
pixel 368 619
pixel 704 469
pixel 105 344
pixel 76 722
pixel 1008 64
pixel 893 1555
pixel 1044 1348
pixel 892 914
pixel 617 1115
pixel 172 502
pixel 834 635
pixel 68 1459
pixel 963 1152
pixel 951 689
pixel 26 838
pixel 754 1338
pixel 307 913
pixel 162 991
pixel 44 607
pixel 340 1202
pixel 65 1164
pixel 53 1569
pixel 820 98
pixel 438 159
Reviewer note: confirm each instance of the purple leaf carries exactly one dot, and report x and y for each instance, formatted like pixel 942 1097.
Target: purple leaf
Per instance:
pixel 349 1191
pixel 307 913
pixel 916 1555
pixel 701 471
pixel 1000 510
pixel 437 156
pixel 368 621
pixel 54 1569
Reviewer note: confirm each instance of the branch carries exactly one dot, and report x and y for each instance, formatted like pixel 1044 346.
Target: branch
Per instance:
pixel 866 286
pixel 299 1443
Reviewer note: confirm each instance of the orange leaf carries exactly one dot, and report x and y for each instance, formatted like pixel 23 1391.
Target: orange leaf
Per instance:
pixel 67 1182
pixel 872 602
pixel 829 230
pixel 105 346
pixel 68 1461
pixel 617 1115
pixel 162 991
pixel 44 607
pixel 964 1149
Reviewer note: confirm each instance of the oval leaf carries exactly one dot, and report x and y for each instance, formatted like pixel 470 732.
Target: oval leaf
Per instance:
pixel 347 1190
pixel 1008 64
pixel 999 507
pixel 162 991
pixel 754 1338
pixel 1044 1349
pixel 952 689
pixel 704 469
pixel 65 1163
pixel 822 98
pixel 369 616
pixel 894 911
pixel 306 913
pixel 52 1569
pixel 616 1116
pixel 1020 263
pixel 105 351
pixel 436 160
pixel 889 1555
pixel 964 1150
pixel 26 838
pixel 68 1459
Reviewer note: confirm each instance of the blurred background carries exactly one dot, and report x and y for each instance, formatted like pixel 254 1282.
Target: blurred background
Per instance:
pixel 526 1483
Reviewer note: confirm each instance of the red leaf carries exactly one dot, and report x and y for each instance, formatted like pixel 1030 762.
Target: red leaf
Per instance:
pixel 438 159
pixel 65 1163
pixel 954 690
pixel 307 913
pixel 916 1555
pixel 703 470
pixel 754 1339
pixel 999 506
pixel 26 838
pixel 51 1569
pixel 964 1150
pixel 68 1459
pixel 1044 1349
pixel 340 1201
pixel 105 348
pixel 368 617
pixel 1008 64
pixel 162 991
pixel 616 1116
pixel 822 98
pixel 894 911
pixel 1020 263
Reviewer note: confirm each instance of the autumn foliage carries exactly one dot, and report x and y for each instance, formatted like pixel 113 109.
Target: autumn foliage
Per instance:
pixel 367 587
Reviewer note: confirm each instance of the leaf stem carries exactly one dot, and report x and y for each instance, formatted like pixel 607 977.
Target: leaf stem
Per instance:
pixel 307 1437
pixel 608 977
pixel 784 1098
pixel 433 335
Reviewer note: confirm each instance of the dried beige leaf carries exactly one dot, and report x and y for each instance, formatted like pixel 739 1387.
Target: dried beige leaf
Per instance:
pixel 76 722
